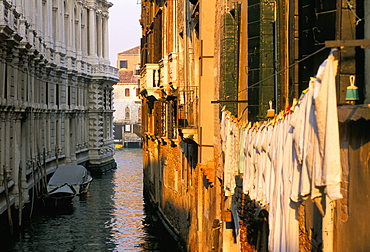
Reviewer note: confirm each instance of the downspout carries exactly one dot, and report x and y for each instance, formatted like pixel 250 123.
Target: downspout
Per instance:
pixel 328 226
pixel 175 42
pixel 6 170
pixel 186 51
pixel 276 48
pixel 328 219
pixel 287 55
pixel 367 54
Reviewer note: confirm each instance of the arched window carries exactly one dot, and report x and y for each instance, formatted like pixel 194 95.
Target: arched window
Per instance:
pixel 127 113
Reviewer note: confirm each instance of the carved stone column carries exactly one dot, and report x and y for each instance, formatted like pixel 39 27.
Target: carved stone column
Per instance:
pixel 92 34
pixel 105 39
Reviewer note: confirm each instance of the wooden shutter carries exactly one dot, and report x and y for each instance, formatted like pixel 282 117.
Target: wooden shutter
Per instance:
pixel 230 58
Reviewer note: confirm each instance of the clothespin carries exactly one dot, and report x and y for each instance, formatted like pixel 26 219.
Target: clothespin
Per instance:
pixel 352 91
pixel 294 104
pixel 255 126
pixel 271 111
pixel 281 116
pixel 249 125
pixel 263 124
pixel 303 94
pixel 273 121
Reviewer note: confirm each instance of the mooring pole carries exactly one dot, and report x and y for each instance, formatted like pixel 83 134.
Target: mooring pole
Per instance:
pixel 20 194
pixel 8 200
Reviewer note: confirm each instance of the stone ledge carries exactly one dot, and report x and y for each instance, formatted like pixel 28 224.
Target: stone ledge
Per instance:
pixel 348 113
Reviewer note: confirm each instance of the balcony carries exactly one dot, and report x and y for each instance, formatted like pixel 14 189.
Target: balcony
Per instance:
pixel 105 71
pixel 150 80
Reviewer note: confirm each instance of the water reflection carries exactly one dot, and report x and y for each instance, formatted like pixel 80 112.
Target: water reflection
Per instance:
pixel 111 217
pixel 127 225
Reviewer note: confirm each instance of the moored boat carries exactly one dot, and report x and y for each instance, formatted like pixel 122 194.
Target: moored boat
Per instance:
pixel 67 182
pixel 61 196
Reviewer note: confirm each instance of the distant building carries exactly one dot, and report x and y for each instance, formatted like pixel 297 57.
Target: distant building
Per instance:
pixel 127 105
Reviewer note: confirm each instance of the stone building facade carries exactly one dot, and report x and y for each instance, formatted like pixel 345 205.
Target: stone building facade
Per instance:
pixel 127 104
pixel 204 60
pixel 55 93
pixel 179 122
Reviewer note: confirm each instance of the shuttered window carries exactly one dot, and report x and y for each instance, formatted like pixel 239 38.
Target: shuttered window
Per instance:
pixel 127 92
pixel 123 63
pixel 230 58
pixel 260 57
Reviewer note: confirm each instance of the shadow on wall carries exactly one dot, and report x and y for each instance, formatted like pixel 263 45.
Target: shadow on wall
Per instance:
pixel 169 238
pixel 351 233
pixel 190 149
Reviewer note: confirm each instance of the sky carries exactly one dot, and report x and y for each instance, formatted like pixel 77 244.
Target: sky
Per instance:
pixel 124 27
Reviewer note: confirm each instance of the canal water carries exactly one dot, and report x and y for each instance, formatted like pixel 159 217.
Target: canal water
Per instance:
pixel 111 217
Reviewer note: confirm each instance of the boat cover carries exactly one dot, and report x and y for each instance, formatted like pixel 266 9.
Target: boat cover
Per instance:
pixel 66 189
pixel 69 174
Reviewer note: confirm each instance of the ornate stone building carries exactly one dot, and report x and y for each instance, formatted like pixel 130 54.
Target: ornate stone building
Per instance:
pixel 55 93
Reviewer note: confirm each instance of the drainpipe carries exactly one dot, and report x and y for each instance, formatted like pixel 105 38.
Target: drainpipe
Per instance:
pixel 276 48
pixel 328 226
pixel 6 171
pixel 367 54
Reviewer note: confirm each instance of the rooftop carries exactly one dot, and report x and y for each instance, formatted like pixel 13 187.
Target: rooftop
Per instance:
pixel 132 51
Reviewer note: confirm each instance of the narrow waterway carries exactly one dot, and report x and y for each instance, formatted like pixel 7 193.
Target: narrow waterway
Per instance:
pixel 111 217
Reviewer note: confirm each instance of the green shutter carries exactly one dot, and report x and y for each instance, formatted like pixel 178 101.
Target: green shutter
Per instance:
pixel 260 57
pixel 230 58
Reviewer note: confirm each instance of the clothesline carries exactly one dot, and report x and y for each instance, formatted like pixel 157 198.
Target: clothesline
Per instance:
pixel 285 160
pixel 283 70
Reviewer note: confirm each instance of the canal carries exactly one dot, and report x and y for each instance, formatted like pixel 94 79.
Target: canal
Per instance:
pixel 113 216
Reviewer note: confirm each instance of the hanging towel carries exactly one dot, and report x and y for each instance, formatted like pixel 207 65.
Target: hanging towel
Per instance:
pixel 328 129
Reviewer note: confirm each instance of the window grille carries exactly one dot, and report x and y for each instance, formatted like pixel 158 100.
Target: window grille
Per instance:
pixel 160 118
pixel 172 119
pixel 188 107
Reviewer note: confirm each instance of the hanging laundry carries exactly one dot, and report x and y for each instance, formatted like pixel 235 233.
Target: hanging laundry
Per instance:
pixel 328 128
pixel 286 160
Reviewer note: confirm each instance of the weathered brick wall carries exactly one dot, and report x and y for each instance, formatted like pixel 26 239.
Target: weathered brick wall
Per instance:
pixel 148 183
pixel 187 199
pixel 173 202
pixel 351 214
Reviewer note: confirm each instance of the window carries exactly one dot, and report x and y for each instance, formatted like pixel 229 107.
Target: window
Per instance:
pixel 229 58
pixel 69 96
pixel 127 128
pixel 127 113
pixel 123 64
pixel 187 107
pixel 137 92
pixel 57 102
pixel 47 93
pixel 127 92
